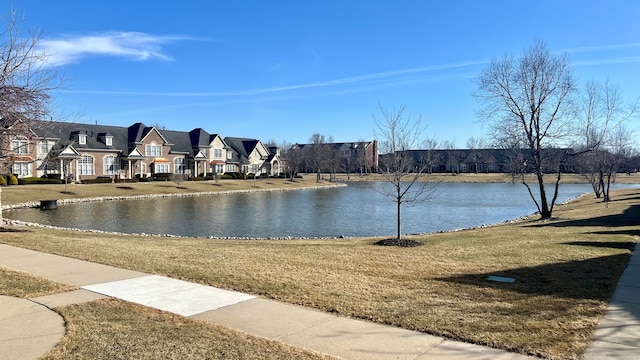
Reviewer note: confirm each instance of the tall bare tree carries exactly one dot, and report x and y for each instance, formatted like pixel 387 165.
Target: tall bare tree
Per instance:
pixel 404 180
pixel 531 93
pixel 25 86
pixel 26 82
pixel 604 112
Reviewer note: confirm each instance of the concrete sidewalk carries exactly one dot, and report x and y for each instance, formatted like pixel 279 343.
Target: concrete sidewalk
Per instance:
pixel 290 324
pixel 618 333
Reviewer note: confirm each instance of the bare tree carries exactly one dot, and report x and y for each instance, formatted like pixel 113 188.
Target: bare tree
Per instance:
pixel 319 154
pixel 404 181
pixel 430 157
pixel 601 165
pixel 475 145
pixel 531 93
pixel 604 113
pixel 25 85
pixel 179 179
pixel 453 156
pixel 293 157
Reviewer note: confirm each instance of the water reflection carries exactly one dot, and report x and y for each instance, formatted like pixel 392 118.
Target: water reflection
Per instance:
pixel 355 210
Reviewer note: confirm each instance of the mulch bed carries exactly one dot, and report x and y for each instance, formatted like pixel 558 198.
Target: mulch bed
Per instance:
pixel 398 242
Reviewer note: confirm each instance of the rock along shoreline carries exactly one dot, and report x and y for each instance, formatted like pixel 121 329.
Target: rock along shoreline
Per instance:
pixel 19 223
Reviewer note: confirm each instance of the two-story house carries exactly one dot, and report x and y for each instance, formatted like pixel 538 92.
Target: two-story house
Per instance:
pixel 87 151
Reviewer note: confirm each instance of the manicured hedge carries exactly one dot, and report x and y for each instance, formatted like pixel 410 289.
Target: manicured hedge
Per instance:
pixel 37 180
pixel 98 180
pixel 162 177
pixel 12 180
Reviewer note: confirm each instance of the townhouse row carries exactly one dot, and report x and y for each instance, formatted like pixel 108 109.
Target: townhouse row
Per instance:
pixel 85 151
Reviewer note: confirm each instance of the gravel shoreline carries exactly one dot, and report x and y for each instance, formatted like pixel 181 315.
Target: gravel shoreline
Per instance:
pixel 19 223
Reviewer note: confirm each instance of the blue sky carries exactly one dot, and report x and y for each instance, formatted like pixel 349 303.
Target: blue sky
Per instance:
pixel 283 70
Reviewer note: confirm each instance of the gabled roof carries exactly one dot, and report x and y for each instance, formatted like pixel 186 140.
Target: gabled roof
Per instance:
pixel 243 146
pixel 199 137
pixel 95 135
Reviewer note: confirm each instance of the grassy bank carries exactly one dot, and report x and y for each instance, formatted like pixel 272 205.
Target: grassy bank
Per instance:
pixel 565 270
pixel 34 193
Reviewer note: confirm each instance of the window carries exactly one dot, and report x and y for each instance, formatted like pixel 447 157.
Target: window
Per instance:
pixel 108 141
pixel 161 168
pixel 153 150
pixel 110 165
pixel 21 169
pixel 82 139
pixel 254 168
pixel 217 153
pixel 85 165
pixel 179 165
pixel 231 168
pixel 219 169
pixel 43 147
pixel 19 146
pixel 229 154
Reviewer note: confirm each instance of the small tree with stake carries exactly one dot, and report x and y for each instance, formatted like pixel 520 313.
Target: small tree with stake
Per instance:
pixel 404 179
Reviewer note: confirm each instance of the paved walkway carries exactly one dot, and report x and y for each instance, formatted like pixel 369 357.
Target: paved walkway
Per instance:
pixel 290 324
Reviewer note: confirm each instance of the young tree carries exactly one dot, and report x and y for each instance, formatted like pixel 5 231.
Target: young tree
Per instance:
pixel 531 93
pixel 404 182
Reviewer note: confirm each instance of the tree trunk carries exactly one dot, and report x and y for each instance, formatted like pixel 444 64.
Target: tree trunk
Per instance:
pixel 398 235
pixel 545 212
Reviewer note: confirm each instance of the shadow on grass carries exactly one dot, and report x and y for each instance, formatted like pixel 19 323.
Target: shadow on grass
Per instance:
pixel 629 217
pixel 593 279
pixel 628 245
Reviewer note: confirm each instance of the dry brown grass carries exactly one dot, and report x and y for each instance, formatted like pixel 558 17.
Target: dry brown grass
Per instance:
pixel 565 269
pixel 29 193
pixel 112 329
pixel 23 285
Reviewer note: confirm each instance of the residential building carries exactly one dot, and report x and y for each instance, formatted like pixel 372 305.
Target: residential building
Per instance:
pixel 87 151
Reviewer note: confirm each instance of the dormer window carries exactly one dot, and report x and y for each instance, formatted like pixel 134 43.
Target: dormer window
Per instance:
pixel 105 138
pixel 82 139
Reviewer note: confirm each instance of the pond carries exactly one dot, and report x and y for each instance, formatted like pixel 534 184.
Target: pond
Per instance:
pixel 353 211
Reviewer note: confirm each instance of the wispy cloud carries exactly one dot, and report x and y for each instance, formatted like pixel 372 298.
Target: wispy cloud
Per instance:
pixel 133 45
pixel 601 48
pixel 398 75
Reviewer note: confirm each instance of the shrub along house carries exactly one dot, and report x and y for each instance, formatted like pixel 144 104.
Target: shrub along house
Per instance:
pixel 84 151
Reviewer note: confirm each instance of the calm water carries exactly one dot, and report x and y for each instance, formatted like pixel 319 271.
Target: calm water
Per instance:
pixel 355 210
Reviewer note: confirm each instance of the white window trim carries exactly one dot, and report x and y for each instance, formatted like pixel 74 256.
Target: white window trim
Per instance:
pixel 179 165
pixel 20 146
pixel 83 168
pixel 21 169
pixel 153 150
pixel 110 169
